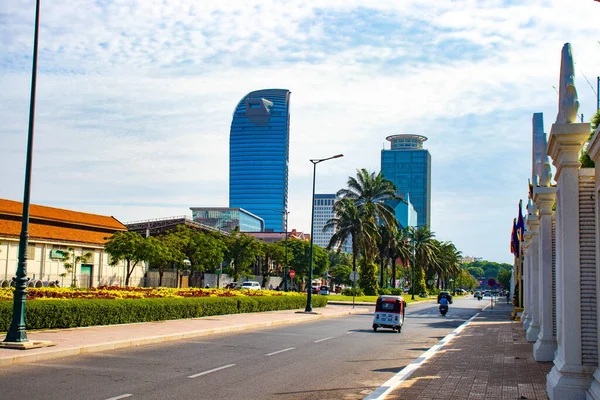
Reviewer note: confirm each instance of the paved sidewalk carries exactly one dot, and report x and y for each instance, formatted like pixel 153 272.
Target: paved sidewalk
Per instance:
pixel 71 342
pixel 489 359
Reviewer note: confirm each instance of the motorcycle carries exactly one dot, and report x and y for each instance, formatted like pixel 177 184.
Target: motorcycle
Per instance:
pixel 443 310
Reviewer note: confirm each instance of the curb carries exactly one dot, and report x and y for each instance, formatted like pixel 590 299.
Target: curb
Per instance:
pixel 49 353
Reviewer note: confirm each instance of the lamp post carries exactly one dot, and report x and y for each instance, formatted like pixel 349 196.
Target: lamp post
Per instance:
pixel 285 282
pixel 312 222
pixel 16 332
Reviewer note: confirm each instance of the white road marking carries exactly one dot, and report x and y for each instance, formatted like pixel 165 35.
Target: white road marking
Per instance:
pixel 382 391
pixel 349 332
pixel 211 370
pixel 324 339
pixel 280 351
pixel 120 397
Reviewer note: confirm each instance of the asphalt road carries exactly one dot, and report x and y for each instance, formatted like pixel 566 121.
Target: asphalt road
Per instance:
pixel 338 358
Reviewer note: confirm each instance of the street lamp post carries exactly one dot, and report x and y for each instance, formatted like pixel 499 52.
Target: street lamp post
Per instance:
pixel 16 332
pixel 312 221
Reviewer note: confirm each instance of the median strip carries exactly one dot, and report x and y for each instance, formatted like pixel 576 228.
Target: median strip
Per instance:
pixel 211 370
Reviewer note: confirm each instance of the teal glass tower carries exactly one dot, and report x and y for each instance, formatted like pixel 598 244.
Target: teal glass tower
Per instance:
pixel 408 165
pixel 259 156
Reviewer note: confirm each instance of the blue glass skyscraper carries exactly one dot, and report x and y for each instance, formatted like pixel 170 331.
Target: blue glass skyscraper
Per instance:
pixel 259 155
pixel 408 166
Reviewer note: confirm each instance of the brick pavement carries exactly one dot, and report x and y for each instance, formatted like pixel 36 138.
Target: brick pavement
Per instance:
pixel 489 359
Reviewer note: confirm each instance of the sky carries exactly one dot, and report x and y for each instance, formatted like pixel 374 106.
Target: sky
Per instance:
pixel 134 99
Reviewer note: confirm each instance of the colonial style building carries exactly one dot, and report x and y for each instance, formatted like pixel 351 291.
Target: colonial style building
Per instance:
pixel 54 232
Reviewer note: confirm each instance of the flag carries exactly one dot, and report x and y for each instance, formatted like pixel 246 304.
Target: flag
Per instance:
pixel 513 238
pixel 520 223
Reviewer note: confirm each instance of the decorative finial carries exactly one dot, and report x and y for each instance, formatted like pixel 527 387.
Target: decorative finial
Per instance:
pixel 568 104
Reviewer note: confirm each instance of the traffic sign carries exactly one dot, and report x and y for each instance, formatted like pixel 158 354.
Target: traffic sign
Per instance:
pixel 292 273
pixel 354 276
pixel 491 282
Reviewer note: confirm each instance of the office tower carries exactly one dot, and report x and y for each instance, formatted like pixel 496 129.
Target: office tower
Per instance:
pixel 259 155
pixel 323 213
pixel 408 165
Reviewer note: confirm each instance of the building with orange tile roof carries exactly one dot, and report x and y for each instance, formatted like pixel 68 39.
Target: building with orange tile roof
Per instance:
pixel 53 231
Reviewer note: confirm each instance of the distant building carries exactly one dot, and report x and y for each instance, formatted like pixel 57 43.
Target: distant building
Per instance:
pixel 227 219
pixel 52 233
pixel 404 211
pixel 324 212
pixel 408 165
pixel 470 259
pixel 273 237
pixel 259 156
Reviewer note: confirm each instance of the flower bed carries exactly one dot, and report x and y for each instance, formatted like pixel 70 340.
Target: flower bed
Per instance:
pixel 59 308
pixel 116 292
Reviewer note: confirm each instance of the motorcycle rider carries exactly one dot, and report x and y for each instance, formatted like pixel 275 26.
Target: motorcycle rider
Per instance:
pixel 443 303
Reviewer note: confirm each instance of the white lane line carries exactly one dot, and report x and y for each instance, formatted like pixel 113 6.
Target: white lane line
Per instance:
pixel 324 339
pixel 382 391
pixel 349 332
pixel 279 351
pixel 211 370
pixel 120 397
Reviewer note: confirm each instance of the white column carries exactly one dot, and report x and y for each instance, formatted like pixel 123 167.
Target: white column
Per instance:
pixel 545 346
pixel 568 379
pixel 526 280
pixel 533 223
pixel 594 153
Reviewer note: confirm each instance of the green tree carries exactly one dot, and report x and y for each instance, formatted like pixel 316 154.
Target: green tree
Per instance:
pixel 386 240
pixel 341 274
pixel 162 254
pixel 128 247
pixel 273 254
pixel 504 277
pixel 350 223
pixel 299 258
pixel 242 251
pixel 422 240
pixel 70 262
pixel 401 250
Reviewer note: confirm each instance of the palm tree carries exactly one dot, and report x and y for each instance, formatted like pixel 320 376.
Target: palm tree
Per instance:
pixel 400 250
pixel 385 242
pixel 369 192
pixel 422 240
pixel 349 222
pixel 448 260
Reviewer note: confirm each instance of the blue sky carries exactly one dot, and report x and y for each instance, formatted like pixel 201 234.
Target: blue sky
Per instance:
pixel 135 99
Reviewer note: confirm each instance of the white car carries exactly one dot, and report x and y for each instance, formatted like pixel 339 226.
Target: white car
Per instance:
pixel 250 285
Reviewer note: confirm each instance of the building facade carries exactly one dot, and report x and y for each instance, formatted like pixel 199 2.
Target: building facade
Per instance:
pixel 408 165
pixel 227 219
pixel 404 211
pixel 54 233
pixel 259 155
pixel 324 212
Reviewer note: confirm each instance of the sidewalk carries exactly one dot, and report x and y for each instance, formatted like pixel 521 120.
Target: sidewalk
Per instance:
pixel 489 359
pixel 70 342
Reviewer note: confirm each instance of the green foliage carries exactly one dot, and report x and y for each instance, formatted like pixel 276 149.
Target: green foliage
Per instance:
pixel 71 261
pixel 128 247
pixel 367 279
pixel 584 158
pixel 504 277
pixel 299 258
pixel 61 314
pixel 350 292
pixel 341 274
pixel 490 268
pixel 242 251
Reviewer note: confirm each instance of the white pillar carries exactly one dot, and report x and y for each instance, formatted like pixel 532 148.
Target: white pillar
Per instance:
pixel 533 223
pixel 526 244
pixel 545 346
pixel 569 378
pixel 594 153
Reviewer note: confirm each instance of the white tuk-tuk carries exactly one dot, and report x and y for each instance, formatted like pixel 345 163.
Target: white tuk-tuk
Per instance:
pixel 389 313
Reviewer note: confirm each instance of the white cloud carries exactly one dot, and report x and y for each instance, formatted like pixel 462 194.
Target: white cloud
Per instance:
pixel 135 99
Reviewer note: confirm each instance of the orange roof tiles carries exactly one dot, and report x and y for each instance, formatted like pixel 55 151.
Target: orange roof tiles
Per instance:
pixel 10 207
pixel 57 224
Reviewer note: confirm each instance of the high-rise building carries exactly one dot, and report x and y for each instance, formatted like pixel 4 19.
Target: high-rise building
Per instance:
pixel 408 165
pixel 259 155
pixel 227 219
pixel 324 212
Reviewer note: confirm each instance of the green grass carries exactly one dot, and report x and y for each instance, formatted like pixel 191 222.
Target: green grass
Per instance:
pixel 372 299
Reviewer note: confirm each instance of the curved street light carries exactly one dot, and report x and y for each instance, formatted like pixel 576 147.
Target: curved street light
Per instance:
pixel 312 219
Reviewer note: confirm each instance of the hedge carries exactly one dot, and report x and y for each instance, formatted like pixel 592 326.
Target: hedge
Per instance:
pixel 61 314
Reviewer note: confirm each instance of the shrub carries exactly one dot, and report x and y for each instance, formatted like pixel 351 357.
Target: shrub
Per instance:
pixel 384 291
pixel 60 314
pixel 349 292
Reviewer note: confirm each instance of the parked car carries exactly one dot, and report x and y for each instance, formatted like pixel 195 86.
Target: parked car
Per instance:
pixel 250 285
pixel 446 294
pixel 324 290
